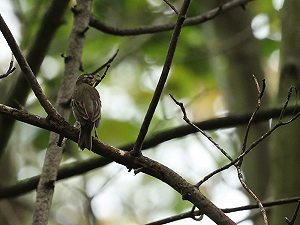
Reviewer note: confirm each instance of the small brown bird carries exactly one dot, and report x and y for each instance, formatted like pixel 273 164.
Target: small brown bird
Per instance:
pixel 86 107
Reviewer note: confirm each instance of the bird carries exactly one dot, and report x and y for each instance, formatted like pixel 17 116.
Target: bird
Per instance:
pixel 86 106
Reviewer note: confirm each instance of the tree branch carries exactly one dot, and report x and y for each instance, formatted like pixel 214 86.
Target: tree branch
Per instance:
pixel 162 80
pixel 52 20
pixel 78 168
pixel 292 221
pixel 143 164
pixel 190 214
pixel 255 143
pixel 48 177
pixel 239 164
pixel 45 103
pixel 97 24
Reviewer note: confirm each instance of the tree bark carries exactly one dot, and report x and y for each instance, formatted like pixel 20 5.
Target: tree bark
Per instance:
pixel 46 184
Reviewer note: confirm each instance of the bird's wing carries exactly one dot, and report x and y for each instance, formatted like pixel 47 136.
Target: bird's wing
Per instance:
pixel 80 111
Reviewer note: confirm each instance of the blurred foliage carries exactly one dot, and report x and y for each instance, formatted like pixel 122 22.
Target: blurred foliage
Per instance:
pixel 126 93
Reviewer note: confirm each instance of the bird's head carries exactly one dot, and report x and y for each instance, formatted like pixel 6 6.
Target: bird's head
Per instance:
pixel 86 78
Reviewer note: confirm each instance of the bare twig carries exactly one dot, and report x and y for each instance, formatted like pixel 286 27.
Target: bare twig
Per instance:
pixel 260 94
pixel 10 69
pixel 226 154
pixel 163 78
pixel 239 164
pixel 287 101
pixel 105 64
pixel 171 6
pixel 291 222
pixel 260 205
pixel 233 162
pixel 254 144
pixel 186 119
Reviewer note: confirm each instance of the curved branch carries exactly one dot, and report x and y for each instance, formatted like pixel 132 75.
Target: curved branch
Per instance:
pixel 97 24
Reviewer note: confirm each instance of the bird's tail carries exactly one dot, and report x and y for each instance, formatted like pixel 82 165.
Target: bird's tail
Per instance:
pixel 85 137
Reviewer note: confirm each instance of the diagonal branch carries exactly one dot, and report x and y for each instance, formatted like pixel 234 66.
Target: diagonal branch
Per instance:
pixel 46 104
pixel 143 164
pixel 239 164
pixel 171 6
pixel 78 168
pixel 163 78
pixel 52 20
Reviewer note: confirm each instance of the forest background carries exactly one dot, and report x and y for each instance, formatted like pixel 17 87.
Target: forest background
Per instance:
pixel 211 74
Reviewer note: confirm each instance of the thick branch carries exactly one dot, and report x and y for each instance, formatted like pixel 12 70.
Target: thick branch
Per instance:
pixel 78 168
pixel 145 165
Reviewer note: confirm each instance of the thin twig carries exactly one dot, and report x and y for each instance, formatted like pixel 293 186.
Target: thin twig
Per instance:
pixel 10 69
pixel 171 6
pixel 105 64
pixel 238 165
pixel 260 94
pixel 255 143
pixel 260 205
pixel 287 101
pixel 291 222
pixel 163 78
pixel 186 119
pixel 99 79
pixel 225 153
pixel 196 216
